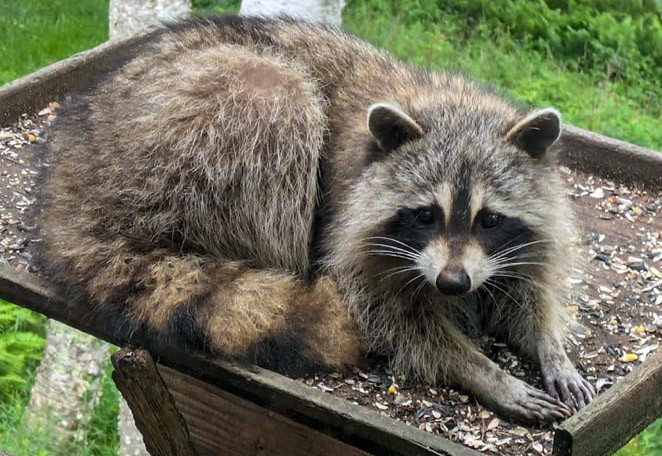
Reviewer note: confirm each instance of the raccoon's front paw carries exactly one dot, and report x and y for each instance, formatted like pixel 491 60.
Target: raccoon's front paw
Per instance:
pixel 522 402
pixel 564 382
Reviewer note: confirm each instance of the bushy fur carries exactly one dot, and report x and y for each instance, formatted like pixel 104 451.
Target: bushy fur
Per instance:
pixel 223 189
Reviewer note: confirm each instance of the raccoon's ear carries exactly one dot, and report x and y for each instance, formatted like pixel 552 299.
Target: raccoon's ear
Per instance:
pixel 536 132
pixel 391 127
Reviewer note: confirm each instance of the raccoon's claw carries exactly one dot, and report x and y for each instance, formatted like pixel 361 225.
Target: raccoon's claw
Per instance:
pixel 567 385
pixel 523 402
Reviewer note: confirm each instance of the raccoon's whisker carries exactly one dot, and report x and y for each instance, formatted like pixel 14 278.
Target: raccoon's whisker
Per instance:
pixel 410 281
pixel 486 288
pixel 511 267
pixel 503 247
pixel 389 254
pixel 418 289
pixel 495 285
pixel 400 270
pixel 516 257
pixel 527 279
pixel 406 246
pixel 498 304
pixel 518 237
pixel 387 249
pixel 394 248
pixel 520 263
pixel 513 274
pixel 507 254
pixel 503 252
pixel 392 253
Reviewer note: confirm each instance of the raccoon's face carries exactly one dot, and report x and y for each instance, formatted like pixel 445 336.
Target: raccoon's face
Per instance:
pixel 464 204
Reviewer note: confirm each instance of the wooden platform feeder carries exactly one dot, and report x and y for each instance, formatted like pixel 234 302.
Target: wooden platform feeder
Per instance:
pixel 190 405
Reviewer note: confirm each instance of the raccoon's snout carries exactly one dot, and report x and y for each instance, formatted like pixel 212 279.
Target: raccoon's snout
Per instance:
pixel 453 281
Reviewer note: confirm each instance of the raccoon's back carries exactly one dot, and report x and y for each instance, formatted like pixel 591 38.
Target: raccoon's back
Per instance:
pixel 209 148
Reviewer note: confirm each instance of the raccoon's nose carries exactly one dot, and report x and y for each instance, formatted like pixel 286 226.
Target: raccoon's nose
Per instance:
pixel 453 281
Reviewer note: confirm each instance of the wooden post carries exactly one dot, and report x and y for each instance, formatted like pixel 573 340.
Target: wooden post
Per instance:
pixel 164 431
pixel 615 416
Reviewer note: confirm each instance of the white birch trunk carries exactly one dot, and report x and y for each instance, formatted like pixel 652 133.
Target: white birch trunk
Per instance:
pixel 324 11
pixel 130 16
pixel 67 386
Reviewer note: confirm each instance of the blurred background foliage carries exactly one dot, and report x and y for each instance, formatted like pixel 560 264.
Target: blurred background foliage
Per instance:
pixel 598 61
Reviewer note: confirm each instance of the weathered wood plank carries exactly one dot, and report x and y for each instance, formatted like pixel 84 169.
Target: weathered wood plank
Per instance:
pixel 616 415
pixel 164 430
pixel 349 423
pixel 607 157
pixel 223 423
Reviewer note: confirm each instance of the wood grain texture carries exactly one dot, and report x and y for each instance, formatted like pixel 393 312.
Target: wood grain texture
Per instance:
pixel 349 423
pixel 615 416
pixel 222 423
pixel 164 431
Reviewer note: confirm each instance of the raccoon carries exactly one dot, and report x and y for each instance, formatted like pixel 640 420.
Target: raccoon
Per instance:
pixel 280 193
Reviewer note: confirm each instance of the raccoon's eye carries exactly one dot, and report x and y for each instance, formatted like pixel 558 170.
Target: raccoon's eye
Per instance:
pixel 490 220
pixel 425 216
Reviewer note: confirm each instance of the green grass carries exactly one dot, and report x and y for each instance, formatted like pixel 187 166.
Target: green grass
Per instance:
pixel 102 437
pixel 215 6
pixel 34 33
pixel 593 98
pixel 21 343
pixel 598 61
pixel 648 443
pixel 22 338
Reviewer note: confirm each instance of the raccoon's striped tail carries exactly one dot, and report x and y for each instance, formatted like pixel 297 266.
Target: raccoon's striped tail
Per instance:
pixel 260 316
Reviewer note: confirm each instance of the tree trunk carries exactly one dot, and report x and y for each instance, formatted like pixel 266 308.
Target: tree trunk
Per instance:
pixel 68 383
pixel 324 11
pixel 129 16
